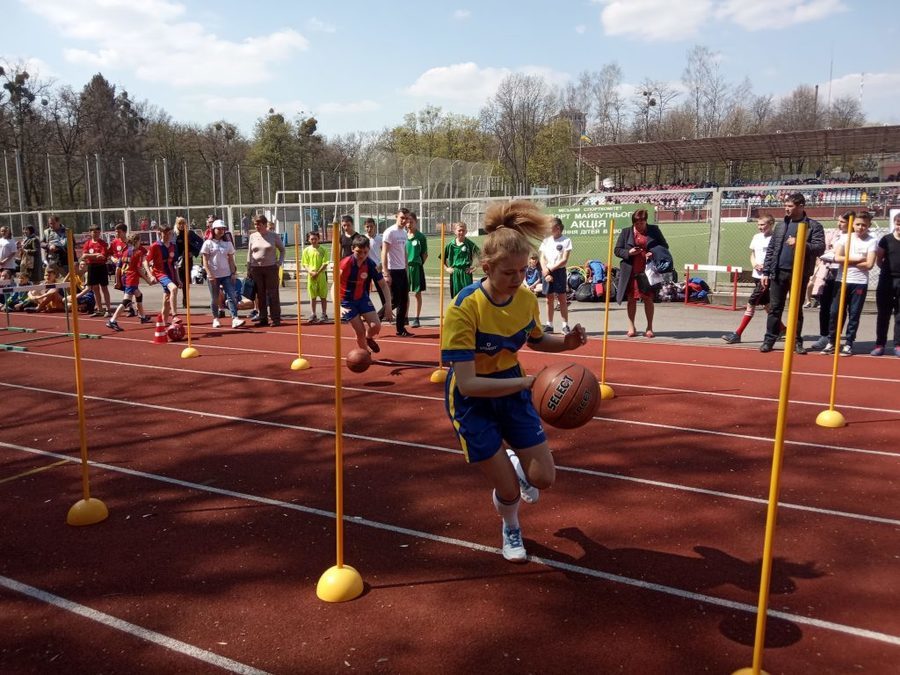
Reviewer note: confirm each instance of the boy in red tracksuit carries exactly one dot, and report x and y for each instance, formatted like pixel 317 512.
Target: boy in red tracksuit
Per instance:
pixel 162 263
pixel 94 254
pixel 134 266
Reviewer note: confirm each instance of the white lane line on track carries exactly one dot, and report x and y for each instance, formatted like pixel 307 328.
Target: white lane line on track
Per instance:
pixel 526 353
pixel 726 434
pixel 374 439
pixel 131 629
pixel 554 564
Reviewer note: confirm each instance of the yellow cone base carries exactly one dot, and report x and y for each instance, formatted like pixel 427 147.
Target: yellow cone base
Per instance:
pixel 439 376
pixel 748 671
pixel 606 392
pixel 189 353
pixel 831 419
pixel 299 364
pixel 87 512
pixel 339 584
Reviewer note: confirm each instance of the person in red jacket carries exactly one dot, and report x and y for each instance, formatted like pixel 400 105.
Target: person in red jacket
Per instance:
pixel 94 254
pixel 162 264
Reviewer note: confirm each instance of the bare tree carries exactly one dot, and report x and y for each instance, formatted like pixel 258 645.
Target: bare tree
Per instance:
pixel 514 116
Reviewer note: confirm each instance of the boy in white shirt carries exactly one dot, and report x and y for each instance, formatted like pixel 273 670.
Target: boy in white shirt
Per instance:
pixel 760 296
pixel 861 259
pixel 555 251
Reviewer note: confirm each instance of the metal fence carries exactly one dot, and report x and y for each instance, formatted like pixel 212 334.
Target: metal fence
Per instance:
pixel 711 226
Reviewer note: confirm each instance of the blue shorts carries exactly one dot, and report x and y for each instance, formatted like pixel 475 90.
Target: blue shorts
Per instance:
pixel 482 424
pixel 132 291
pixel 356 307
pixel 559 285
pixel 164 281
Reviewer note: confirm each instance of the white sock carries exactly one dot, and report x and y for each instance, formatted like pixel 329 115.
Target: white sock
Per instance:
pixel 509 512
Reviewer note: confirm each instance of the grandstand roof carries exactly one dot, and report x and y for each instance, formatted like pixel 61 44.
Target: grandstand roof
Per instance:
pixel 779 145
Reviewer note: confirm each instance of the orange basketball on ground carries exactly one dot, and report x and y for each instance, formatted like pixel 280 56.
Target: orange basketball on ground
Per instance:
pixel 176 331
pixel 359 360
pixel 566 395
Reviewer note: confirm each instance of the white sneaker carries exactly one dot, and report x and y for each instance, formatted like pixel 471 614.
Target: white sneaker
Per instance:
pixel 216 323
pixel 565 328
pixel 548 327
pixel 236 322
pixel 528 492
pixel 513 548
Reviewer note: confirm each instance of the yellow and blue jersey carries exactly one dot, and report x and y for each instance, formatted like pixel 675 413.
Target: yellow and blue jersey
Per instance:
pixel 477 329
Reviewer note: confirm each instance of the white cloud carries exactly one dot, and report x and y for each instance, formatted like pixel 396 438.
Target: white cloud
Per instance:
pixel 654 20
pixel 774 14
pixel 462 14
pixel 663 20
pixel 319 26
pixel 352 108
pixel 464 82
pixel 580 29
pixel 879 98
pixel 152 40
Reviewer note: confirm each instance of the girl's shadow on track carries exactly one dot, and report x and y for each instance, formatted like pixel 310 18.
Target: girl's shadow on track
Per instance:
pixel 696 574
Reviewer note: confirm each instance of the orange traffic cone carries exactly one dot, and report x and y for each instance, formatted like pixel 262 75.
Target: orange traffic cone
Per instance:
pixel 159 335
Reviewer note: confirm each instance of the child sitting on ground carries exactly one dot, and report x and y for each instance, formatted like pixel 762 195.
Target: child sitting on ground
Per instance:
pixel 49 299
pixel 15 297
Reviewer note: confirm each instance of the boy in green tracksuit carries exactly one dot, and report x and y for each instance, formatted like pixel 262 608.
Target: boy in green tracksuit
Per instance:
pixel 460 256
pixel 315 262
pixel 416 255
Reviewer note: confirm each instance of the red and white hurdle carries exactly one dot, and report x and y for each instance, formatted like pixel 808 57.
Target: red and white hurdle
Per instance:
pixel 729 269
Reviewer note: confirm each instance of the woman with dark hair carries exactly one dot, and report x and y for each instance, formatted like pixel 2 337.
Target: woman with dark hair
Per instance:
pixel 30 262
pixel 635 247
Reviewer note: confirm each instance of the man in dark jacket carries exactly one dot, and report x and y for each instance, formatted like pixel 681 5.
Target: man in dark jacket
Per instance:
pixel 779 265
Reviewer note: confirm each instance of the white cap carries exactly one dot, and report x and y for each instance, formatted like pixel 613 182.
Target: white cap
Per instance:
pixel 218 223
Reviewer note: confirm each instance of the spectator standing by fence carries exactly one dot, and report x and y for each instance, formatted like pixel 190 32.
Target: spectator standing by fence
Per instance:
pixel 9 252
pixel 860 256
pixel 828 271
pixel 460 256
pixel 887 293
pixel 416 255
pixel 634 247
pixel 30 262
pixel 54 245
pixel 555 251
pixel 779 265
pixel 760 296
pixel 265 256
pixel 94 254
pixel 393 259
pixel 375 240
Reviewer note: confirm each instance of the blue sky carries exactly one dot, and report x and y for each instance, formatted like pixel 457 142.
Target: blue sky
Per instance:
pixel 360 66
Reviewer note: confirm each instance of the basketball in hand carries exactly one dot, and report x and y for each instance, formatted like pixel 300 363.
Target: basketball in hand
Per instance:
pixel 566 395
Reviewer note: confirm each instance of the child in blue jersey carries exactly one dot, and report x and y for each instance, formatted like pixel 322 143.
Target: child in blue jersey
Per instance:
pixel 488 395
pixel 358 271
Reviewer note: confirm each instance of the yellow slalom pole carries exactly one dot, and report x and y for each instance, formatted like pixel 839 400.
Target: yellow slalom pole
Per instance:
pixel 607 392
pixel 299 363
pixel 440 375
pixel 341 582
pixel 797 285
pixel 831 418
pixel 189 352
pixel 88 510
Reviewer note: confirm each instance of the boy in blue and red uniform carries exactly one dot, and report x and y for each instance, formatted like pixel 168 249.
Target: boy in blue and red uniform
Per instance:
pixel 357 273
pixel 134 263
pixel 162 262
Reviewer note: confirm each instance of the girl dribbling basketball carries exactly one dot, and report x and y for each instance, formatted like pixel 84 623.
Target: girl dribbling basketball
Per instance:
pixel 488 395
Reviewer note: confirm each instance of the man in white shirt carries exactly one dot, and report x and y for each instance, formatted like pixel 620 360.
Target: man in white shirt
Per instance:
pixel 555 251
pixel 760 296
pixel 861 259
pixel 394 264
pixel 8 250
